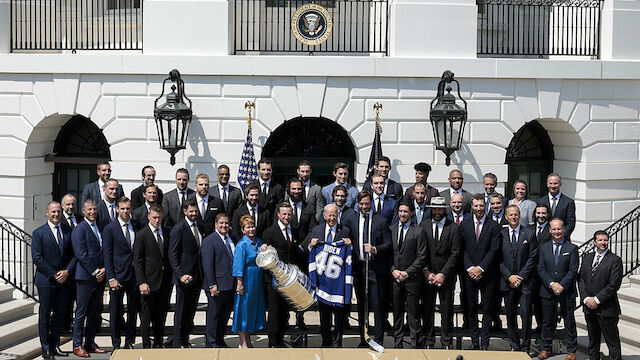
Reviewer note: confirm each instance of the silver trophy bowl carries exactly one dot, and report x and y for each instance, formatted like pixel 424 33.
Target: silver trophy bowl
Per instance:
pixel 288 280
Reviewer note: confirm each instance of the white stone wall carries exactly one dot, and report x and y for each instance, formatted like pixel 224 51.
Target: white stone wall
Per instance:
pixel 593 124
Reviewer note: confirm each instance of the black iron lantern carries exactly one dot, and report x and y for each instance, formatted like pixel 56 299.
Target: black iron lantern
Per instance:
pixel 448 118
pixel 173 117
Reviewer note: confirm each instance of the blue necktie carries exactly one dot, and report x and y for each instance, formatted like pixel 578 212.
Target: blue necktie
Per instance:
pixel 95 231
pixel 113 211
pixel 329 238
pixel 226 242
pixel 59 234
pixel 556 252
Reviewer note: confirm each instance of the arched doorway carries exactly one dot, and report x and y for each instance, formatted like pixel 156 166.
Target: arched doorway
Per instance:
pixel 530 158
pixel 321 141
pixel 78 148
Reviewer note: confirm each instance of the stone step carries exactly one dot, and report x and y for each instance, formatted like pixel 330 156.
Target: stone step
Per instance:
pixel 629 333
pixel 29 349
pixel 16 309
pixel 635 279
pixel 631 294
pixel 6 293
pixel 18 331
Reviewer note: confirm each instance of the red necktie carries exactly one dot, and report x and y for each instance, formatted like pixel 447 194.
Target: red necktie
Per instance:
pixel 477 230
pixel 458 219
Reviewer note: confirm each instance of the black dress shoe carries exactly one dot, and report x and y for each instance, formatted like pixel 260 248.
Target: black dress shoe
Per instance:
pixel 301 325
pixel 186 346
pixel 47 355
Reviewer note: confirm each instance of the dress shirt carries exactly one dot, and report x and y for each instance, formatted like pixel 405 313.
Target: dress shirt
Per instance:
pixel 101 186
pixel 129 228
pixel 55 232
pixel 191 224
pixel 255 212
pixel 297 206
pixel 512 230
pixel 262 182
pixel 286 230
pixel 331 229
pixel 222 189
pixel 499 216
pixel 361 218
pixel 227 240
pixel 440 225
pixel 307 186
pixel 377 198
pixel 386 185
pixel 477 222
pixel 202 201
pixel 454 214
pixel 403 227
pixel 181 193
pixel 420 209
pixel 71 219
pixel 551 198
pixel 111 205
pixel 452 192
pixel 540 227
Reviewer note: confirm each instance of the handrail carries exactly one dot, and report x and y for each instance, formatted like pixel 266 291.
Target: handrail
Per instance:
pixel 17 268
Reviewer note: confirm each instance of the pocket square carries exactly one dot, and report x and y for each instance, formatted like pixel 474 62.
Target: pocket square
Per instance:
pixel 526 241
pixel 565 254
pixel 213 208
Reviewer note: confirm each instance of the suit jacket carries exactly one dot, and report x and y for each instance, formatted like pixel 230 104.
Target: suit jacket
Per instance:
pixel 519 259
pixel 315 199
pixel 171 205
pixel 545 235
pixel 49 258
pixel 394 190
pixel 565 211
pixel 104 217
pixel 352 194
pixel 207 221
pixel 63 220
pixel 380 262
pixel 217 264
pixel 137 198
pixel 484 251
pixel 503 220
pixel 118 253
pixel 466 196
pixel 184 251
pixel 151 266
pixel 426 215
pixel 307 219
pixel 140 215
pixel 451 216
pixel 429 193
pixel 341 232
pixel 445 254
pixel 603 284
pixel 234 198
pixel 564 273
pixel 389 209
pixel 93 191
pixel 414 252
pixel 274 195
pixel 263 221
pixel 88 250
pixel 274 236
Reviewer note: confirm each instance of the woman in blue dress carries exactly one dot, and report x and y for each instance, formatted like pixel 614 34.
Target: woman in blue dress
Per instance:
pixel 249 310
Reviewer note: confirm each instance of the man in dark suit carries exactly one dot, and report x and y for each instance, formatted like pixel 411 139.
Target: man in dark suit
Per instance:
pixel 422 212
pixel 557 268
pixel 370 236
pixel 208 205
pixel 219 284
pixel 562 207
pixel 455 187
pixel 381 203
pixel 69 216
pixel 137 195
pixel 440 270
pixel 153 275
pixel 543 235
pixel 95 190
pixel 339 195
pixel 390 188
pixel 490 181
pixel 497 211
pixel 284 238
pixel 52 254
pixel 410 253
pixel 422 174
pixel 231 196
pixel 172 201
pixel 184 256
pixel 304 216
pixel 518 280
pixel 271 193
pixel 253 208
pixel 312 192
pixel 118 240
pixel 90 279
pixel 108 207
pixel 456 212
pixel 599 280
pixel 481 237
pixel 140 214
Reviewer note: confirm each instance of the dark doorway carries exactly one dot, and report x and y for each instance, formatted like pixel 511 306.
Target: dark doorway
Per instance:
pixel 79 147
pixel 320 141
pixel 530 158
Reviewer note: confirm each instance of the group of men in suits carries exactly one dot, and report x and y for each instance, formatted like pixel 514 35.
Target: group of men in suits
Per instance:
pixel 417 244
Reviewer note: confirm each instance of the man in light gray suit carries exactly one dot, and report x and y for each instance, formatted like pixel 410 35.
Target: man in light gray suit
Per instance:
pixel 455 187
pixel 231 196
pixel 311 190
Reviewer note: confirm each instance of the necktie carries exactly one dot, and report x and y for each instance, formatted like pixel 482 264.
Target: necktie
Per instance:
pixel 203 209
pixel 59 237
pixel 513 239
pixel 540 227
pixel 418 215
pixel 160 242
pixel 72 221
pixel 495 218
pixel 365 230
pixel 227 242
pixel 556 252
pixel 477 230
pixel 224 197
pixel 286 235
pixel 339 215
pixel 196 233
pixel 379 208
pixel 401 236
pixel 127 235
pixel 253 213
pixel 329 238
pixel 95 231
pixel 436 231
pixel 554 203
pixel 304 192
pixel 183 198
pixel 113 211
pixel 457 219
pixel 264 188
pixel 595 264
pixel 295 211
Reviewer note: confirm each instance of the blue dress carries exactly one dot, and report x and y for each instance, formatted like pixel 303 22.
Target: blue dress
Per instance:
pixel 249 309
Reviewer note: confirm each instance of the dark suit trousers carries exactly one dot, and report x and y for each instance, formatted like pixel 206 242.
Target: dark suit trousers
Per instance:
pixel 608 327
pixel 53 311
pixel 154 309
pixel 218 311
pixel 513 298
pixel 377 300
pixel 486 287
pixel 446 294
pixel 186 306
pixel 406 296
pixel 567 306
pixel 329 339
pixel 116 312
pixel 89 307
pixel 278 317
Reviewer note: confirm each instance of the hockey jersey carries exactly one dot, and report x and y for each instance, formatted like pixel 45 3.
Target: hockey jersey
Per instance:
pixel 330 272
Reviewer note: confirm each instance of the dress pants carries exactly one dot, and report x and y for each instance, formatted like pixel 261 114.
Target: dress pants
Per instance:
pixel 608 327
pixel 154 309
pixel 486 288
pixel 567 305
pixel 326 311
pixel 445 294
pixel 88 307
pixel 116 312
pixel 377 301
pixel 278 316
pixel 186 305
pixel 218 311
pixel 512 299
pixel 406 296
pixel 52 314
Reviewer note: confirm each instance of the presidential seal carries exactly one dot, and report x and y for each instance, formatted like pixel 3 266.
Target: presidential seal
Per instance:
pixel 311 24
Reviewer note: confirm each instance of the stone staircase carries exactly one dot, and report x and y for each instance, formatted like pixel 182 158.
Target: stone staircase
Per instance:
pixel 18 326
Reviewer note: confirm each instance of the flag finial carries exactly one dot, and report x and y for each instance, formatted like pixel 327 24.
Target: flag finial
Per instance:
pixel 249 104
pixel 377 107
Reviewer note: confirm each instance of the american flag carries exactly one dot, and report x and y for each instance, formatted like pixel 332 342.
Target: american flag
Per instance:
pixel 247 172
pixel 376 151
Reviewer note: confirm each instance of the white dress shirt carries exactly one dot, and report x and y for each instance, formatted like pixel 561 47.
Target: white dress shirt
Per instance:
pixel 55 232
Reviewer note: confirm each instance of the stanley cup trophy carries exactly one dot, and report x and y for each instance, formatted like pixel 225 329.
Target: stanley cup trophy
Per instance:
pixel 288 280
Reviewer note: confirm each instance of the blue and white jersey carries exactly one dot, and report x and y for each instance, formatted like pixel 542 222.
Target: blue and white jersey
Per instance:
pixel 330 272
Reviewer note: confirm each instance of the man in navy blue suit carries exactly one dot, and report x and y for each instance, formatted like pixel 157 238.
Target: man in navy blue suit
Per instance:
pixel 557 269
pixel 381 203
pixel 390 188
pixel 117 245
pixel 90 281
pixel 481 239
pixel 95 190
pixel 107 208
pixel 52 255
pixel 219 284
pixel 561 206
